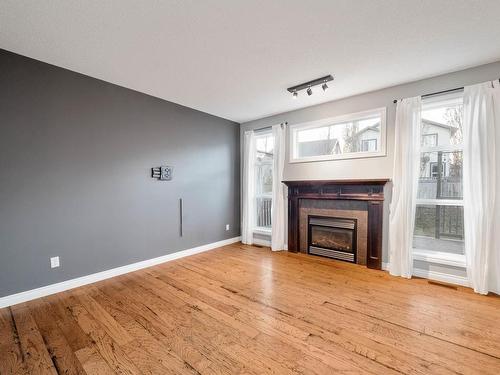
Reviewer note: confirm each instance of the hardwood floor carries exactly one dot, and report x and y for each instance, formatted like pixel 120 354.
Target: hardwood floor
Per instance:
pixel 244 310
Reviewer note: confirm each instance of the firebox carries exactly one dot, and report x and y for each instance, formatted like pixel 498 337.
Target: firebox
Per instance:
pixel 332 237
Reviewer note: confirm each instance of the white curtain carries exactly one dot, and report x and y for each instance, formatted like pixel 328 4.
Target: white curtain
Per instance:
pixel 248 191
pixel 405 184
pixel 278 205
pixel 481 116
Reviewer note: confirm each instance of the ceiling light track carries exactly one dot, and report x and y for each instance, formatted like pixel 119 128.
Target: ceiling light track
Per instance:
pixel 309 85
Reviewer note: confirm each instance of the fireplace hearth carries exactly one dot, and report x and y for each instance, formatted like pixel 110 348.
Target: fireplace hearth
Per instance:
pixel 333 238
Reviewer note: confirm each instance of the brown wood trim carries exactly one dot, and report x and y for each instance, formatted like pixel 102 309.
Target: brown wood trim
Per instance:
pixel 352 197
pixel 366 190
pixel 374 250
pixel 293 224
pixel 376 181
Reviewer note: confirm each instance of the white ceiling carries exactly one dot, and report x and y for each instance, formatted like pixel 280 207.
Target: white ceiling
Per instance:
pixel 235 58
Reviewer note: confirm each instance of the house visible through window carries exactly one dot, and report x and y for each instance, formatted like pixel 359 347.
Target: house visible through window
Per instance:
pixel 264 143
pixel 350 136
pixel 439 219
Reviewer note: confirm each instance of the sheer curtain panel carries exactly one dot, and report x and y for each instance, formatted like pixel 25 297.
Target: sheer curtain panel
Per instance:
pixel 278 205
pixel 248 189
pixel 405 183
pixel 481 122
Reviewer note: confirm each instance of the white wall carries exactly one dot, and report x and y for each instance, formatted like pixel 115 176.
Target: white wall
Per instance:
pixel 378 167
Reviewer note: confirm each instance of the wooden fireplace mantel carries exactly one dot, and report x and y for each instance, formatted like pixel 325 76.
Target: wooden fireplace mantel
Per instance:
pixel 371 191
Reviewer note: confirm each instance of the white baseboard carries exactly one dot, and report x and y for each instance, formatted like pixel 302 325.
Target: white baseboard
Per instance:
pixel 29 295
pixel 437 276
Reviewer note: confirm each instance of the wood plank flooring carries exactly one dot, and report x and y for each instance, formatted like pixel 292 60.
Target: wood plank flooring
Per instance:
pixel 245 310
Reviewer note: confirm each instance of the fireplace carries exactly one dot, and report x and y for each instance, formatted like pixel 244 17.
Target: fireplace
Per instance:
pixel 332 237
pixel 339 219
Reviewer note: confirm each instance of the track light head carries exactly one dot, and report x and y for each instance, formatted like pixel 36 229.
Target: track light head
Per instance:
pixel 294 95
pixel 309 91
pixel 324 86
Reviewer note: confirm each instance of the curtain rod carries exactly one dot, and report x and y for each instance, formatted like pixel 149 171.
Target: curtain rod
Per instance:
pixel 439 92
pixel 268 127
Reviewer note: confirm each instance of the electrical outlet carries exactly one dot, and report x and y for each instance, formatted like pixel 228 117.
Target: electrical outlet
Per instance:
pixel 166 173
pixel 227 227
pixel 54 262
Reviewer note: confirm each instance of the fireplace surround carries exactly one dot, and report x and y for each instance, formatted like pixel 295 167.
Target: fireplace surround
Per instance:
pixel 357 204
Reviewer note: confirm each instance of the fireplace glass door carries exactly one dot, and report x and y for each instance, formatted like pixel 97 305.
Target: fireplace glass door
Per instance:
pixel 333 237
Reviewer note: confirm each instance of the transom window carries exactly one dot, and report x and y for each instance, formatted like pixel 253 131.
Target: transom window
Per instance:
pixel 439 219
pixel 429 140
pixel 352 136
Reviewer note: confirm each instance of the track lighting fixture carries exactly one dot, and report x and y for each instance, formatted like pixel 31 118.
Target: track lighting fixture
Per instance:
pixel 309 85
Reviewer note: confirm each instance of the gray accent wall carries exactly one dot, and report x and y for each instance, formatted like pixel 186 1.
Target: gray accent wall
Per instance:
pixel 75 175
pixel 376 167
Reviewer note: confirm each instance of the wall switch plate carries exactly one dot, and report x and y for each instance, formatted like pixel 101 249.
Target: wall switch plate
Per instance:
pixel 54 262
pixel 227 227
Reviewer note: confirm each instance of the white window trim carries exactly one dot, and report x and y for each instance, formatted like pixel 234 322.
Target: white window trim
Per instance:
pixel 262 230
pixel 437 101
pixel 435 135
pixel 440 202
pixel 439 257
pixel 382 112
pixel 447 148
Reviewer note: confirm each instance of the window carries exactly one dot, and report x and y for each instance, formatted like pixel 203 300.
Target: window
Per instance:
pixel 352 136
pixel 369 145
pixel 434 170
pixel 429 140
pixel 439 218
pixel 264 143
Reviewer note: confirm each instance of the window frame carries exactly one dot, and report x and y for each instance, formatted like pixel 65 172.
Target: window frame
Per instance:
pixel 337 120
pixel 429 255
pixel 435 135
pixel 435 164
pixel 257 229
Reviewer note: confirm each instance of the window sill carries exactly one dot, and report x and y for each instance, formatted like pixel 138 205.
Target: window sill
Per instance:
pixel 437 257
pixel 261 230
pixel 348 156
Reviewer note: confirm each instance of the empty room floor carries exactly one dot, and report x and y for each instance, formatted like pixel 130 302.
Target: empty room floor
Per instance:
pixel 244 309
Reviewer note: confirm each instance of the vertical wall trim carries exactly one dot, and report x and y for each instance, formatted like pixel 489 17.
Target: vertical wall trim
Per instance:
pixel 180 217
